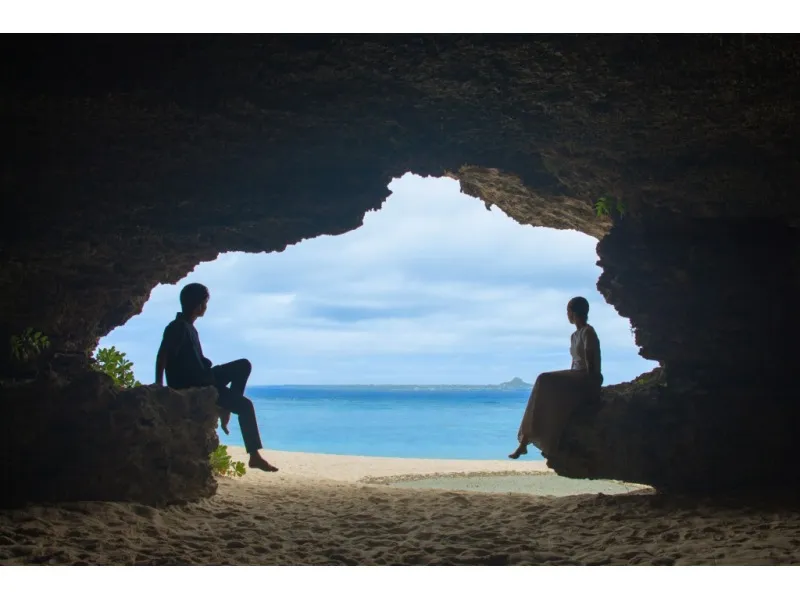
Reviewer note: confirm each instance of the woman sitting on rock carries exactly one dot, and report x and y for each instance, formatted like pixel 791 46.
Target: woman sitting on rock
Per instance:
pixel 556 394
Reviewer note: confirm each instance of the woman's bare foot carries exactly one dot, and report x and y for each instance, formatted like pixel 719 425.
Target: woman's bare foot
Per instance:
pixel 521 450
pixel 224 419
pixel 258 462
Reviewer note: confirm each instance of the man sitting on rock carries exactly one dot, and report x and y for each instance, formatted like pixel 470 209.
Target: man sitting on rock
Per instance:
pixel 181 355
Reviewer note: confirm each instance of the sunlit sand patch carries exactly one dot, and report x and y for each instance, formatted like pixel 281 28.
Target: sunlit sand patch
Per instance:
pixel 541 483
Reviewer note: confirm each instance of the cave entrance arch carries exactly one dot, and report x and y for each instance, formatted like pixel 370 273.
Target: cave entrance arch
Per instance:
pixel 137 158
pixel 433 288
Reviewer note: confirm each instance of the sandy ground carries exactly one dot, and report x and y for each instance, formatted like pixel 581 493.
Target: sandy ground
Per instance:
pixel 354 469
pixel 315 511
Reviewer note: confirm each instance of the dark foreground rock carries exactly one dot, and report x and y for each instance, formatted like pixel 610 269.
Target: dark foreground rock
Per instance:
pixel 89 440
pixel 679 437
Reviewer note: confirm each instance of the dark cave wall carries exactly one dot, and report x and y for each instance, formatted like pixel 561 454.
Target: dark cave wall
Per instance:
pixel 713 301
pixel 135 158
pixel 706 295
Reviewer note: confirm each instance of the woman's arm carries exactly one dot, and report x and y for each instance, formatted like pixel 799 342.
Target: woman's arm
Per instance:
pixel 590 344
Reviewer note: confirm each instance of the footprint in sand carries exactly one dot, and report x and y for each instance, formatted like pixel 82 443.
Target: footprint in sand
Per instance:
pixel 664 560
pixel 236 544
pixel 224 514
pixel 31 531
pixel 145 511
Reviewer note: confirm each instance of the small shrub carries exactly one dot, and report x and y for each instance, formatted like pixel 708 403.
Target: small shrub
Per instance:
pixel 657 376
pixel 609 206
pixel 28 345
pixel 113 363
pixel 224 465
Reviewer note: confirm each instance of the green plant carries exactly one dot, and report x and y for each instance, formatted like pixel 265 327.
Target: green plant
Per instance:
pixel 113 363
pixel 657 377
pixel 223 465
pixel 29 344
pixel 609 206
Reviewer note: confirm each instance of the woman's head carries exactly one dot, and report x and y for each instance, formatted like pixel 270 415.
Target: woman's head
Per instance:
pixel 194 299
pixel 577 310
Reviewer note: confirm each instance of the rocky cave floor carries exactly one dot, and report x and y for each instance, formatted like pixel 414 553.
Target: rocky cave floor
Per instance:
pixel 290 521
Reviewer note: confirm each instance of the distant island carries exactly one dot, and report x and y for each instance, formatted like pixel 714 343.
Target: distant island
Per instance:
pixel 513 384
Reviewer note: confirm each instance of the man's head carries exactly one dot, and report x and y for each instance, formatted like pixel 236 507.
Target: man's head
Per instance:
pixel 194 299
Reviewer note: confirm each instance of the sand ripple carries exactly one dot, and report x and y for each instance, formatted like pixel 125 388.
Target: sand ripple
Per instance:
pixel 284 519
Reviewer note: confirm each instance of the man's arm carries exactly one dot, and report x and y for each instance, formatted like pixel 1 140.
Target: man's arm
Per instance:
pixel 161 364
pixel 170 343
pixel 206 378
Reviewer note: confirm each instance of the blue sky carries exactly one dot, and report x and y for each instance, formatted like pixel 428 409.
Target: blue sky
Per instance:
pixel 432 289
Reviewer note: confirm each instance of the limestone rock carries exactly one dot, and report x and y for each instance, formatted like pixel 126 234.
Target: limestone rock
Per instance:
pixel 85 439
pixel 656 431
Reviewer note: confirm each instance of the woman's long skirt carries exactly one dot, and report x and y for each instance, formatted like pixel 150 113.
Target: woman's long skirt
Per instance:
pixel 554 398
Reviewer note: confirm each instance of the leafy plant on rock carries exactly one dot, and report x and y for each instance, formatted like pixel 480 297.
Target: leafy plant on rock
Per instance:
pixel 113 363
pixel 223 464
pixel 28 345
pixel 609 206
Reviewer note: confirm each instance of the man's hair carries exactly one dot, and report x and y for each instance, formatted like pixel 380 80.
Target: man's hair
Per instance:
pixel 192 296
pixel 580 307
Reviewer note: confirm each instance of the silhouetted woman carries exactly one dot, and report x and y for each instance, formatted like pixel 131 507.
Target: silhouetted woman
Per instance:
pixel 556 394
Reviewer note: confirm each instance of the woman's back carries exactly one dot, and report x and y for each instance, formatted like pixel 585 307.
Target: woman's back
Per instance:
pixel 581 340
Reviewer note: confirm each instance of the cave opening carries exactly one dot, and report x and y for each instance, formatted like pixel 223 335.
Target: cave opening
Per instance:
pixel 129 177
pixel 132 159
pixel 434 291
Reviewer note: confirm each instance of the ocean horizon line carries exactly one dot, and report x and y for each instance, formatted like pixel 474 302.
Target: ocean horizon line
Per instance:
pixel 501 386
pixel 374 385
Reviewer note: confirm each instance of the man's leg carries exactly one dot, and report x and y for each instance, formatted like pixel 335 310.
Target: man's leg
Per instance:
pixel 236 374
pixel 243 407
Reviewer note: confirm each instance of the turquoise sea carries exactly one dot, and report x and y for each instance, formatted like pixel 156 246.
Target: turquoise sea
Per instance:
pixel 388 421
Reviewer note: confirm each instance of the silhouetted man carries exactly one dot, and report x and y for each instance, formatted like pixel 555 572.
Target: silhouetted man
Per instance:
pixel 181 355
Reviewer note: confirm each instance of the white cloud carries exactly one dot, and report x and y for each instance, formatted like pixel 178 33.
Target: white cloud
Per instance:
pixel 432 288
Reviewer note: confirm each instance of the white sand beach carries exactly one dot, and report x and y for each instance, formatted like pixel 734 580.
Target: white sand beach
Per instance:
pixel 349 468
pixel 319 510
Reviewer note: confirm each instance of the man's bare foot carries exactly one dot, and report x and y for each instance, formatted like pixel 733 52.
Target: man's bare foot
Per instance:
pixel 258 462
pixel 224 419
pixel 521 450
